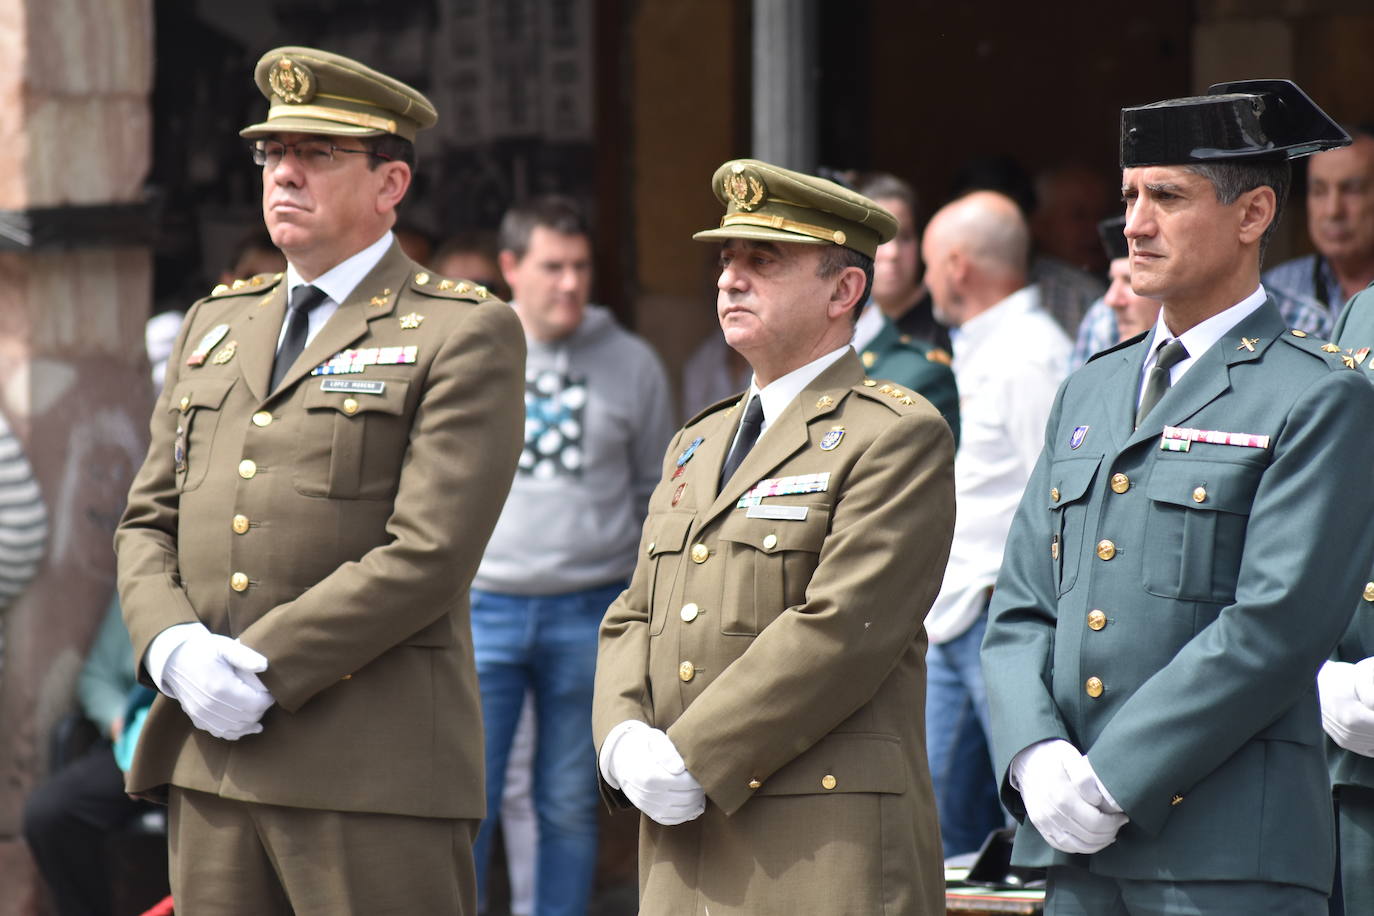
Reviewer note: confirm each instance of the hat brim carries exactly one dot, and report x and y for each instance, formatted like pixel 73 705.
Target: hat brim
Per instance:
pixel 757 233
pixel 298 125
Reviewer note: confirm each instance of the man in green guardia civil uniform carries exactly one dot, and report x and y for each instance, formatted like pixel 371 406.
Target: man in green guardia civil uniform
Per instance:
pixel 1181 563
pixel 760 685
pixel 915 364
pixel 327 460
pixel 1346 681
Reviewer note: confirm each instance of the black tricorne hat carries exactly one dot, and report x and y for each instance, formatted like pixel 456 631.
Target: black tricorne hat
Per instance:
pixel 1112 233
pixel 1246 120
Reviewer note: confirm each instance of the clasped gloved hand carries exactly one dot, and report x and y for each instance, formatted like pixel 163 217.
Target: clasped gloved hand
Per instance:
pixel 1346 691
pixel 1064 799
pixel 215 679
pixel 643 763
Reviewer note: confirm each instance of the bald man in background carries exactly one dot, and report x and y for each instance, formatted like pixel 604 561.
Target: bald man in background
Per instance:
pixel 1009 358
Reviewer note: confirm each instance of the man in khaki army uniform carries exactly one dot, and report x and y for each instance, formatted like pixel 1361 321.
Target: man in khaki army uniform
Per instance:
pixel 1187 552
pixel 760 685
pixel 327 461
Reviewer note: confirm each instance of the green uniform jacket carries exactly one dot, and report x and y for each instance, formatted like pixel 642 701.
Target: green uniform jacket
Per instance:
pixel 1166 611
pixel 356 520
pixel 920 366
pixel 1355 331
pixel 785 657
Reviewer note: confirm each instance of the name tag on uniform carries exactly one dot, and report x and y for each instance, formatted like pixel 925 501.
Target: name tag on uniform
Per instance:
pixel 778 513
pixel 353 386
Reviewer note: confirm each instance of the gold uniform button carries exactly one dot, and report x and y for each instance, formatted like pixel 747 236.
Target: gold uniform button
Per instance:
pixel 1096 620
pixel 346 677
pixel 1105 550
pixel 869 359
pixel 247 468
pixel 421 279
pixel 686 671
pixel 1369 591
pixel 1094 687
pixel 241 524
pixel 185 404
pixel 700 552
pixel 689 612
pixel 770 542
pixel 650 549
pixel 350 406
pixel 1176 800
pixel 262 418
pixel 869 383
pixel 1054 494
pixel 827 781
pixel 1200 495
pixel 1120 483
pixel 238 582
pixel 755 784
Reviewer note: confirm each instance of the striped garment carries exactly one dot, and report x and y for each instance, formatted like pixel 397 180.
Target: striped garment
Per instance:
pixel 23 519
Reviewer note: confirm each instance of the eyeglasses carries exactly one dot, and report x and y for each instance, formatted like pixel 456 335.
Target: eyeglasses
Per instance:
pixel 311 154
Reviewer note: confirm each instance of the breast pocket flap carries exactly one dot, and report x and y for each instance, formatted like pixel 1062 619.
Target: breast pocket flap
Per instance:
pixel 391 399
pixel 1070 479
pixel 1202 484
pixel 667 533
pixel 777 535
pixel 199 392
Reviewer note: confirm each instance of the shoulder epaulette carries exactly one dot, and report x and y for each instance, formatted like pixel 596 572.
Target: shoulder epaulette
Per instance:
pixel 893 396
pixel 259 284
pixel 732 401
pixel 1125 343
pixel 1325 349
pixel 427 284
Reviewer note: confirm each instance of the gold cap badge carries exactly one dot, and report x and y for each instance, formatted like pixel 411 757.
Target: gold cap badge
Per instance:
pixel 291 81
pixel 744 189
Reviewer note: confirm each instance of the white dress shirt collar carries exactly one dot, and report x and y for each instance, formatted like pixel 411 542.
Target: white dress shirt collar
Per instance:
pixel 1200 338
pixel 777 394
pixel 337 283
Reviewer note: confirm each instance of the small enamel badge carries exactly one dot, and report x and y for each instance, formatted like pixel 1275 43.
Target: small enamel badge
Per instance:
pixel 832 439
pixel 1077 436
pixel 1248 343
pixel 689 451
pixel 677 495
pixel 207 343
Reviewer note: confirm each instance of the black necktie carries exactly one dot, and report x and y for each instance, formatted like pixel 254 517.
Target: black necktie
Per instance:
pixel 303 300
pixel 1157 380
pixel 749 428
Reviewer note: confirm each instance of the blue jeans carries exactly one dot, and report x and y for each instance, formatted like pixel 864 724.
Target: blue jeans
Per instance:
pixel 547 644
pixel 956 742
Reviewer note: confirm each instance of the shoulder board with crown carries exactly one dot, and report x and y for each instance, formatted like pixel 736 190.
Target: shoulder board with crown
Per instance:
pixel 899 399
pixel 259 284
pixel 437 287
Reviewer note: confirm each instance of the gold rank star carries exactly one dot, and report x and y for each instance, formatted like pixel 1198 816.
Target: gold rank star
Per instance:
pixel 412 321
pixel 379 301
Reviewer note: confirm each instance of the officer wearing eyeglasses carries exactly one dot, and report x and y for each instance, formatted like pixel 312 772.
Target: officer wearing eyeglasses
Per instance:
pixel 328 458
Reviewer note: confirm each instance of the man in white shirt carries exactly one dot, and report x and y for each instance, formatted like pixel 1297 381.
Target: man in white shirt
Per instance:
pixel 976 251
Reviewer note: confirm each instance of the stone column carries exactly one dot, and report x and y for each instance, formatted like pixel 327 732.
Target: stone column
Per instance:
pixel 75 291
pixel 785 75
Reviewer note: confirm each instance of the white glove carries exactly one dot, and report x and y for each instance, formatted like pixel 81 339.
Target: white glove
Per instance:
pixel 215 679
pixel 1346 691
pixel 643 763
pixel 1064 799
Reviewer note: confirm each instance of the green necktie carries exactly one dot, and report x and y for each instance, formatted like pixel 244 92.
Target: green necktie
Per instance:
pixel 1157 381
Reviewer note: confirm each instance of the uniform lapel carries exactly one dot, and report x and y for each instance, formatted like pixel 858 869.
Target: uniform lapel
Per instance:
pixel 366 303
pixel 715 444
pixel 258 341
pixel 789 432
pixel 1211 377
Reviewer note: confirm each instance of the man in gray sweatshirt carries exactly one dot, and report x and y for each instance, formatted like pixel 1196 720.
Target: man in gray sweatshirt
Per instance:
pixel 597 419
